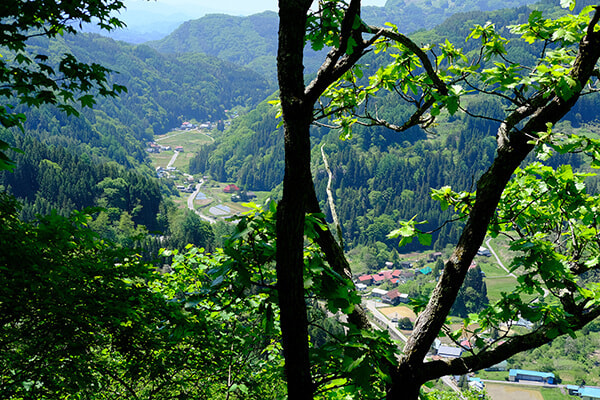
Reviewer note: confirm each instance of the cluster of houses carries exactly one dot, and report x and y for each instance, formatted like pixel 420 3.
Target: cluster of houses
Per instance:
pixel 395 277
pixel 405 273
pixel 186 126
pixel 154 147
pixel 162 172
pixel 186 189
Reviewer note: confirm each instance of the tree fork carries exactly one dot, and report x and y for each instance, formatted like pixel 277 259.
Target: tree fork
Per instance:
pixel 513 146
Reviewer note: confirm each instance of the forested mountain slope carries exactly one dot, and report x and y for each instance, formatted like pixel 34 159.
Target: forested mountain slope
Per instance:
pixel 162 92
pixel 380 176
pixel 64 165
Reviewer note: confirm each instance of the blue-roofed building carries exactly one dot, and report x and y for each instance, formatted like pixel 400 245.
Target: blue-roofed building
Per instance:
pixel 589 393
pixel 515 375
pixel 425 271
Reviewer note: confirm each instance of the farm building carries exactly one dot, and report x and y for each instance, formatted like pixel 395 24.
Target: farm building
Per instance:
pixel 378 292
pixel 449 351
pixel 515 375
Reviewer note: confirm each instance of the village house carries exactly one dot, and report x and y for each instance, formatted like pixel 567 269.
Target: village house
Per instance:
pixel 394 297
pixel 361 287
pixel 484 252
pixel 378 279
pixel 365 279
pixel 407 275
pixel 187 125
pixel 378 292
pixel 475 383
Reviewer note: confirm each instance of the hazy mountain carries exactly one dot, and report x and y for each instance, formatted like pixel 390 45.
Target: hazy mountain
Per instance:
pixel 252 41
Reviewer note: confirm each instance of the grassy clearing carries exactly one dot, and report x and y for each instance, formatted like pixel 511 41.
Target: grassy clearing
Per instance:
pixel 161 159
pixel 495 286
pixel 501 246
pixel 490 267
pixel 498 391
pixel 191 141
pixel 555 394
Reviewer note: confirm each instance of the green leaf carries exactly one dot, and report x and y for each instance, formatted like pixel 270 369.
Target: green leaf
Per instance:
pixel 424 238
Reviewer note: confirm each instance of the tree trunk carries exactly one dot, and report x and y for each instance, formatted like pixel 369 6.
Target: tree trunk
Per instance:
pixel 297 118
pixel 406 383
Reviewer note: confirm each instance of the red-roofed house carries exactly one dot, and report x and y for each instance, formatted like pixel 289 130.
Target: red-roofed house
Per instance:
pixel 365 279
pixel 378 279
pixel 396 273
pixel 231 188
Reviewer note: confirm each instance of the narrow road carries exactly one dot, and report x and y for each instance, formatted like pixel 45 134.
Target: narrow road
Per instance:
pixel 487 243
pixel 172 161
pixel 372 307
pixel 190 204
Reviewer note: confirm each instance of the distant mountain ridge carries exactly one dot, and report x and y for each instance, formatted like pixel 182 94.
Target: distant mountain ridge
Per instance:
pixel 248 41
pixel 252 41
